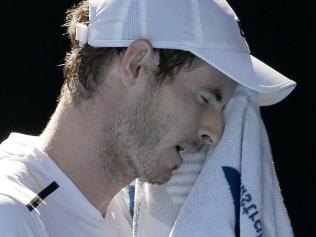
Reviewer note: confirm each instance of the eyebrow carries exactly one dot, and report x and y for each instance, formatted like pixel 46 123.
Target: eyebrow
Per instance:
pixel 216 92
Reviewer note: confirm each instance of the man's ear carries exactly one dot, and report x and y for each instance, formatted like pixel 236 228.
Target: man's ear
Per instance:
pixel 138 58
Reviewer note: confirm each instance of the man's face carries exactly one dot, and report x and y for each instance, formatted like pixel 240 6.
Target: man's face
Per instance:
pixel 149 132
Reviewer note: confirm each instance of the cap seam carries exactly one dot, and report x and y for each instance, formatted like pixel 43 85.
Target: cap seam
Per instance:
pixel 142 17
pixel 198 33
pixel 123 12
pixel 174 44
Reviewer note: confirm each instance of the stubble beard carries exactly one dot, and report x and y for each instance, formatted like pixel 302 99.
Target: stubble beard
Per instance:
pixel 132 136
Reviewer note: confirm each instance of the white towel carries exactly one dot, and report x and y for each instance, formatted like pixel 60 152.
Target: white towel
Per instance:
pixel 235 194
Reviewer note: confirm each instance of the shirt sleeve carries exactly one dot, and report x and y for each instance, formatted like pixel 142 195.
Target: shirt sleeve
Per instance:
pixel 16 220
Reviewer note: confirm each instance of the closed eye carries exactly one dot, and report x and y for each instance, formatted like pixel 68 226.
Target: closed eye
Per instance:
pixel 209 95
pixel 202 99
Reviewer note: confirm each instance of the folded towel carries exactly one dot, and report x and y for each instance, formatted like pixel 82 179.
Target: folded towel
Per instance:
pixel 236 193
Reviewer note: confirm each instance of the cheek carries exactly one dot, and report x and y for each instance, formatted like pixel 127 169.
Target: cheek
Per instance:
pixel 190 113
pixel 186 106
pixel 184 126
pixel 183 110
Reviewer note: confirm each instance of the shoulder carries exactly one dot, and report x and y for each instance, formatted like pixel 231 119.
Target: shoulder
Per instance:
pixel 16 220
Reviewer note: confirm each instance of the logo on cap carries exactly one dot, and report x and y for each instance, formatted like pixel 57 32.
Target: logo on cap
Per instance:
pixel 240 29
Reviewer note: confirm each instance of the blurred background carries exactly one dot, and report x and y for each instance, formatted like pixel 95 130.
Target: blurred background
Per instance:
pixel 281 33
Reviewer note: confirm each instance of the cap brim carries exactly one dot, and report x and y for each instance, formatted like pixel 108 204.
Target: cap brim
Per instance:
pixel 272 86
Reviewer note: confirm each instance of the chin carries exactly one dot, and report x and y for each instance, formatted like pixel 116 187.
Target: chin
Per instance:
pixel 161 170
pixel 160 179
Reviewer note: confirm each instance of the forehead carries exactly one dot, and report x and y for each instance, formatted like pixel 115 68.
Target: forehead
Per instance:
pixel 205 76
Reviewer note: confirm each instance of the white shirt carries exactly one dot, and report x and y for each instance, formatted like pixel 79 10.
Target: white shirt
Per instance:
pixel 25 174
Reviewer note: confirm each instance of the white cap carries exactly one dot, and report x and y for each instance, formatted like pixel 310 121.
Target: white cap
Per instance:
pixel 207 28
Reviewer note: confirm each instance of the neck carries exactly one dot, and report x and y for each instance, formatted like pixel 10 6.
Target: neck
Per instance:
pixel 73 139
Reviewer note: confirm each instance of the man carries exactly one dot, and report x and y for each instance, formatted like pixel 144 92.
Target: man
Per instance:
pixel 141 84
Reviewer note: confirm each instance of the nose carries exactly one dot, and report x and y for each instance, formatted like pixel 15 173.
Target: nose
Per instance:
pixel 211 127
